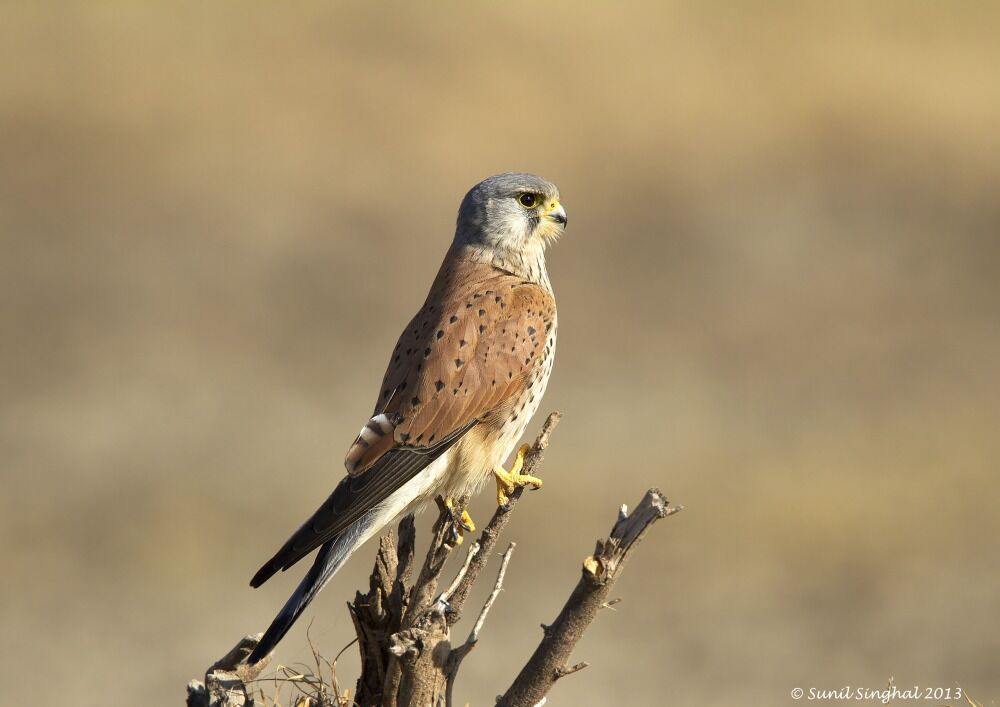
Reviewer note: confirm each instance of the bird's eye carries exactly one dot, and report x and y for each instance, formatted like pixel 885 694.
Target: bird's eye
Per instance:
pixel 528 200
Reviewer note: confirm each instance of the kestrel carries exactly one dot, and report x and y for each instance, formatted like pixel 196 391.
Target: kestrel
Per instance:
pixel 466 376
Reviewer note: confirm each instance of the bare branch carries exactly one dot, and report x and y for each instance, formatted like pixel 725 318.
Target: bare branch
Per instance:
pixel 474 634
pixel 461 573
pixel 598 576
pixel 458 654
pixel 564 671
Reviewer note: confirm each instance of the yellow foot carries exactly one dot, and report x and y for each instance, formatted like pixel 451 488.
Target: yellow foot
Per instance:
pixel 460 522
pixel 507 481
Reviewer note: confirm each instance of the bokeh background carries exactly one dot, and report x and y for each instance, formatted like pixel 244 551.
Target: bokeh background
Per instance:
pixel 778 295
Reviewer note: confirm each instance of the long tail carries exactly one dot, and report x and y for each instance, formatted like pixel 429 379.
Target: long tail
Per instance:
pixel 331 557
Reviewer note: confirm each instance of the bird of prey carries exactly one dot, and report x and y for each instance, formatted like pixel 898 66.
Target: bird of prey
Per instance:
pixel 466 376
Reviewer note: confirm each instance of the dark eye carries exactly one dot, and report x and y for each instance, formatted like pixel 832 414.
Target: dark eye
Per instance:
pixel 528 200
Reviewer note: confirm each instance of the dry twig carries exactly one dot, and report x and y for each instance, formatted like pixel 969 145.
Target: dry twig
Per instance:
pixel 598 575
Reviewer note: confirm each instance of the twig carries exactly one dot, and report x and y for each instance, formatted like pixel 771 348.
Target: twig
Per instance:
pixel 461 573
pixel 564 671
pixel 600 570
pixel 478 626
pixel 458 654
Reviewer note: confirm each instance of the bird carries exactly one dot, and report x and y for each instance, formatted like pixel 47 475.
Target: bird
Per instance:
pixel 467 374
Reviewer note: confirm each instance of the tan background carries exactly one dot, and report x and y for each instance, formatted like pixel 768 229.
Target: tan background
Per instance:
pixel 778 302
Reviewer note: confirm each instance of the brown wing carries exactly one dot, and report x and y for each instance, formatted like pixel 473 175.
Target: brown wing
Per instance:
pixel 479 336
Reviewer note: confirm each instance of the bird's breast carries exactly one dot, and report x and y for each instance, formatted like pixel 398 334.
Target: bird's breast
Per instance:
pixel 490 442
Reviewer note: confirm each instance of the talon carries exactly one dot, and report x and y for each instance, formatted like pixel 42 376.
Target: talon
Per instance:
pixel 460 522
pixel 507 481
pixel 466 522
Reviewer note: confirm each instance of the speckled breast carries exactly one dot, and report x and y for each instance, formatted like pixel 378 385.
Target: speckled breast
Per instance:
pixel 526 404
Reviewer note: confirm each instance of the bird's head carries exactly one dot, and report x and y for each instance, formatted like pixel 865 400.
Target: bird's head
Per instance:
pixel 512 212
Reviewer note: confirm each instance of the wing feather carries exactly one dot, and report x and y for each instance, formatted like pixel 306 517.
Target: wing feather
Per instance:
pixel 472 347
pixel 353 497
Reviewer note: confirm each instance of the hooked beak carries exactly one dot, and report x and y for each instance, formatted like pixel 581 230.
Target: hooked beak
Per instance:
pixel 558 214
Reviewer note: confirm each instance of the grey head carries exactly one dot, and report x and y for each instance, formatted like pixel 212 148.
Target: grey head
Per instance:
pixel 514 213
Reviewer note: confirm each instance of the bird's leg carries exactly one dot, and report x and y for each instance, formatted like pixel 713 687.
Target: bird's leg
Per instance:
pixel 507 481
pixel 460 522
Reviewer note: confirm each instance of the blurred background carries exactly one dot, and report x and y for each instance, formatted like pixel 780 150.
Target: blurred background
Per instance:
pixel 779 285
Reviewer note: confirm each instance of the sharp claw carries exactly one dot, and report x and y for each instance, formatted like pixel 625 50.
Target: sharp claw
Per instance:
pixel 459 522
pixel 456 534
pixel 508 481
